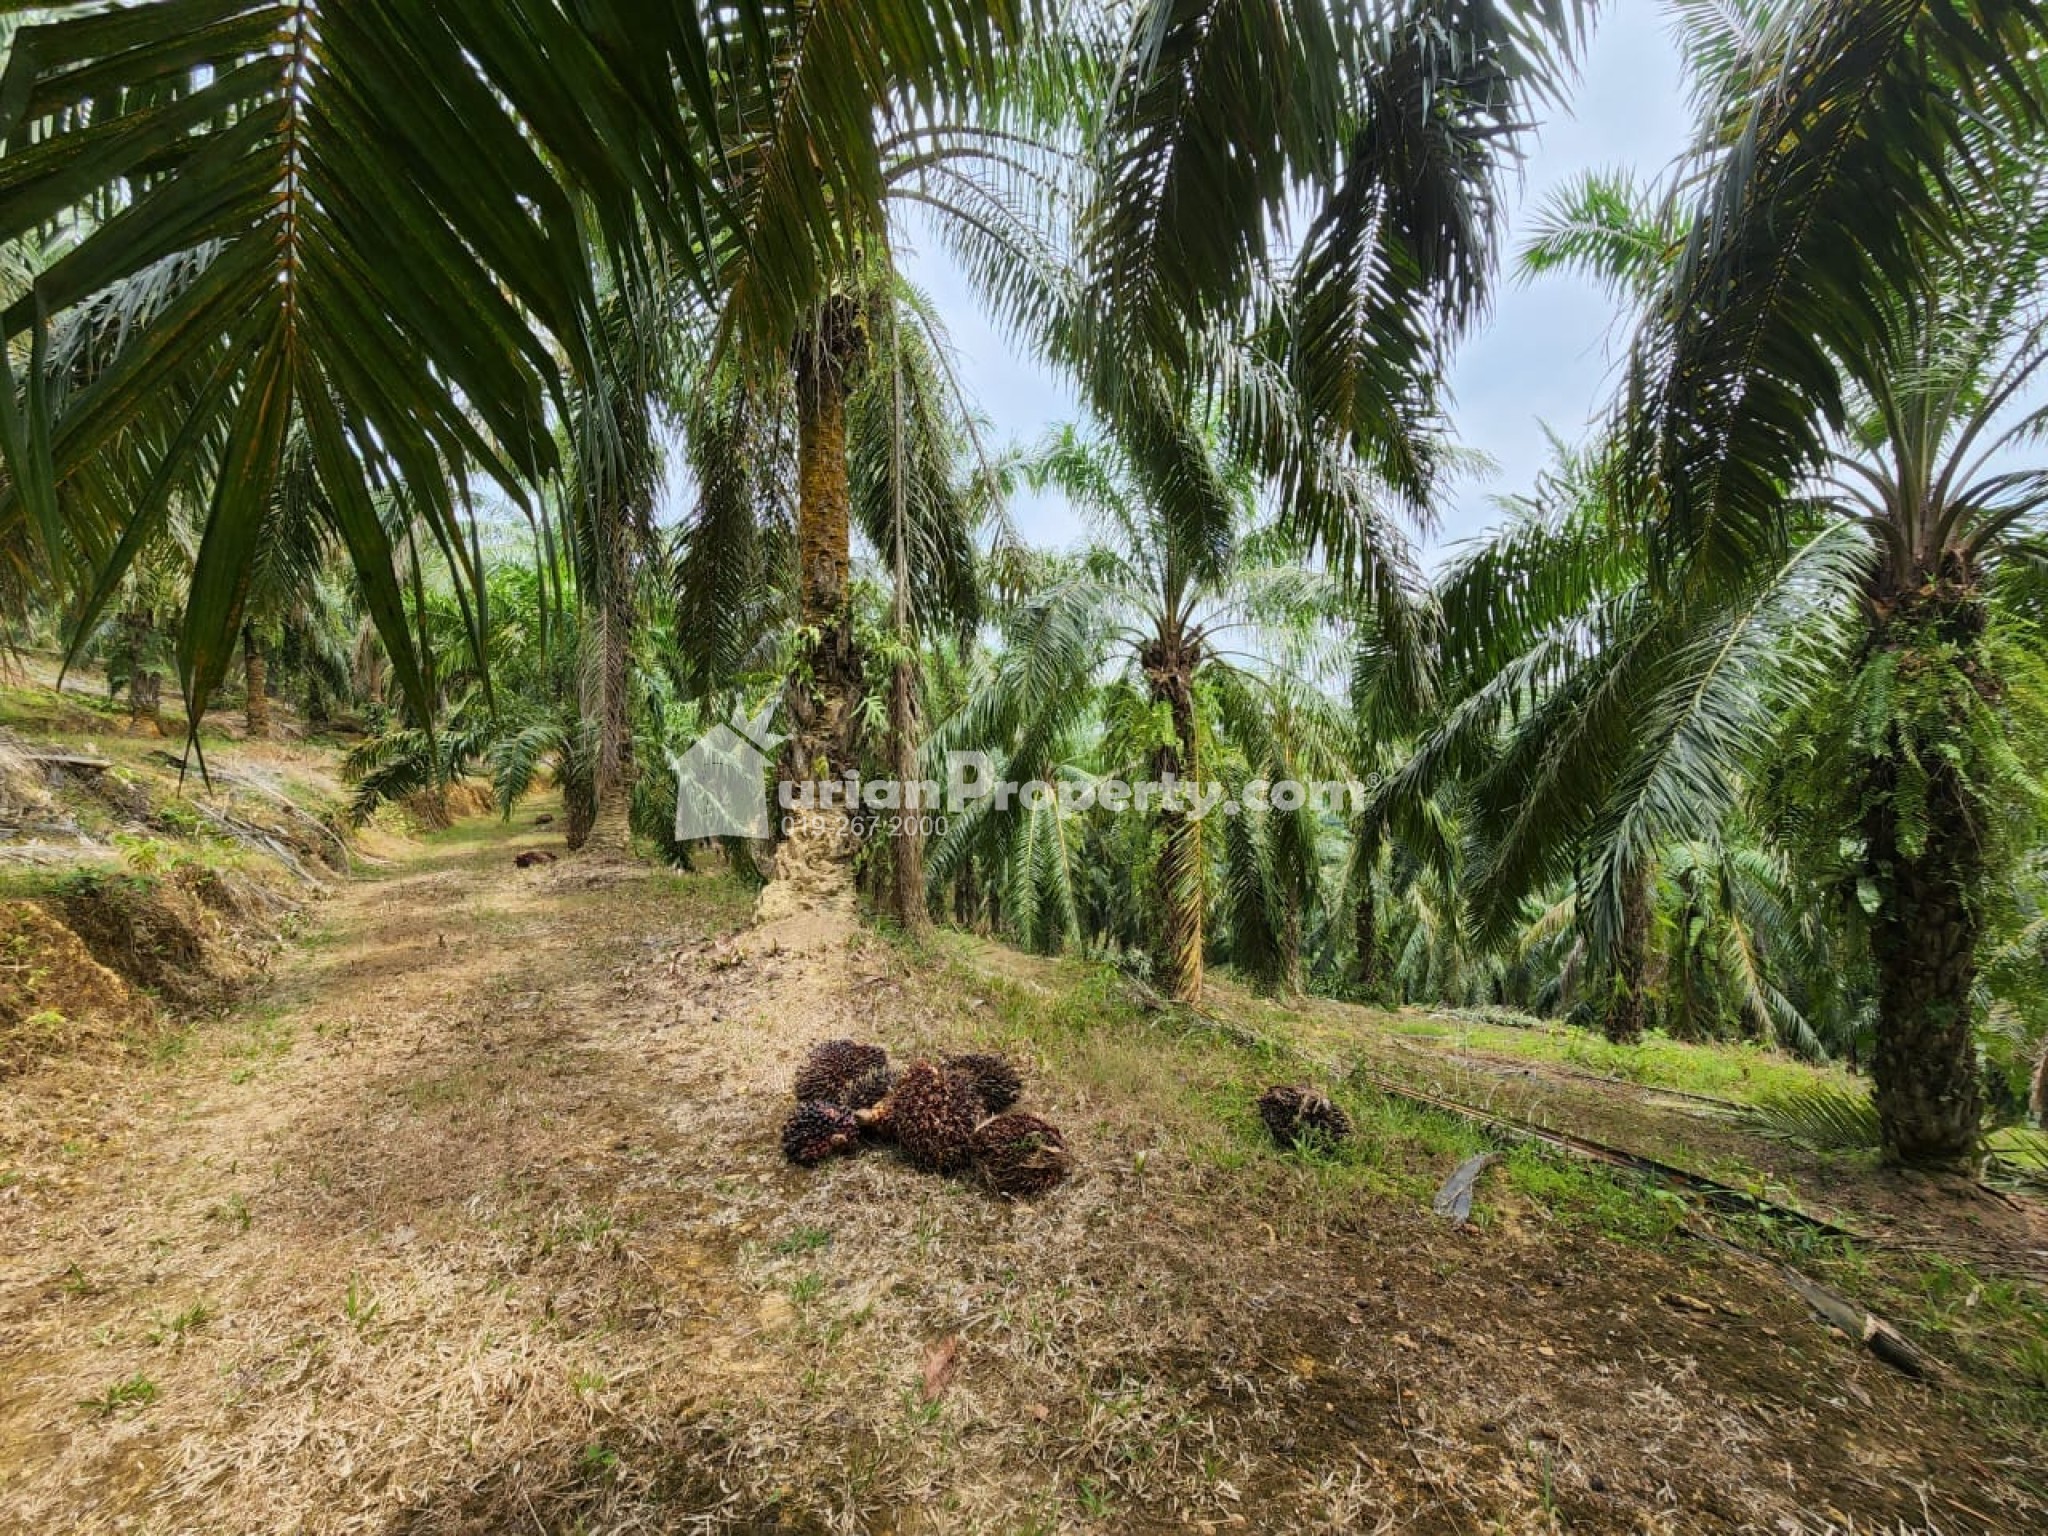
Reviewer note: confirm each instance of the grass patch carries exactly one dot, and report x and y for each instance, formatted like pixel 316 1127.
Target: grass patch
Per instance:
pixel 1194 1085
pixel 173 1330
pixel 33 710
pixel 137 1391
pixel 1577 1195
pixel 1748 1074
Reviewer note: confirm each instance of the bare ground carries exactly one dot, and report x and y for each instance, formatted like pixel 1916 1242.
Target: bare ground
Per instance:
pixel 476 1222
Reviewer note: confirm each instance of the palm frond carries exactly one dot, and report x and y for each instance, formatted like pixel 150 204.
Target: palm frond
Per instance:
pixel 1821 1116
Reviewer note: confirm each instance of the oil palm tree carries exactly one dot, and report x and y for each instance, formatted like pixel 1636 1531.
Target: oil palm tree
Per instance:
pixel 1192 645
pixel 256 187
pixel 1805 356
pixel 1580 722
pixel 921 495
pixel 917 495
pixel 795 302
pixel 616 467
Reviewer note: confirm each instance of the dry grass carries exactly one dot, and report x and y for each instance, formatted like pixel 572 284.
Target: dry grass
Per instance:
pixel 56 1000
pixel 476 1222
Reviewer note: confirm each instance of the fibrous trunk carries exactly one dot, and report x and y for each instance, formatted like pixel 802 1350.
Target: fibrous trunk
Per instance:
pixel 821 706
pixel 1923 936
pixel 1290 945
pixel 1924 941
pixel 611 830
pixel 145 684
pixel 1365 939
pixel 581 821
pixel 256 678
pixel 1628 1005
pixel 1365 916
pixel 907 901
pixel 146 698
pixel 813 863
pixel 1178 876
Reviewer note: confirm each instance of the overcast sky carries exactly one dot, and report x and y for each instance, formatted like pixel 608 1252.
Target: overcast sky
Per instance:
pixel 1546 354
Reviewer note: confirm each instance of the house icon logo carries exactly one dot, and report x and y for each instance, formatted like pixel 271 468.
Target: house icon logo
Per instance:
pixel 722 781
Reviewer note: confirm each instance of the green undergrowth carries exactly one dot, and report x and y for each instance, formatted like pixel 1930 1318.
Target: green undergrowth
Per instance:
pixel 1990 1330
pixel 33 711
pixel 1190 1086
pixel 1736 1070
pixel 1197 1081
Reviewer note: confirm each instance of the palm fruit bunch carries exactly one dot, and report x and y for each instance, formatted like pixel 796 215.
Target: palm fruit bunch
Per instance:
pixel 931 1114
pixel 1019 1155
pixel 1300 1116
pixel 945 1116
pixel 869 1089
pixel 833 1067
pixel 818 1130
pixel 997 1082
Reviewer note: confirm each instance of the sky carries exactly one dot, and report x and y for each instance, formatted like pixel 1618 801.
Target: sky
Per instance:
pixel 1545 354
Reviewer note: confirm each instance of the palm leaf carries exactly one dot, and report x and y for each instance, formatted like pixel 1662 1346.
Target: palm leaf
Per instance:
pixel 1824 1117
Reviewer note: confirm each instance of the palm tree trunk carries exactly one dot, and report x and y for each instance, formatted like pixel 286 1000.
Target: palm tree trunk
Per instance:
pixel 611 832
pixel 1628 1006
pixel 1924 935
pixel 1365 915
pixel 255 678
pixel 1290 946
pixel 908 902
pixel 813 865
pixel 580 824
pixel 1924 941
pixel 1178 877
pixel 145 699
pixel 1365 939
pixel 821 707
pixel 1177 958
pixel 145 683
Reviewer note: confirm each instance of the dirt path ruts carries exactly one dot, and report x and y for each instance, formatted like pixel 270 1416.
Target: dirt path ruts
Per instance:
pixel 320 1240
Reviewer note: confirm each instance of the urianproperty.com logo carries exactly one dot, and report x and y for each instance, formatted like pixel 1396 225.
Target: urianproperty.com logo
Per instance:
pixel 721 782
pixel 722 790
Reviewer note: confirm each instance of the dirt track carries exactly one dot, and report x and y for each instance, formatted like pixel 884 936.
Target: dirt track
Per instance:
pixel 476 1223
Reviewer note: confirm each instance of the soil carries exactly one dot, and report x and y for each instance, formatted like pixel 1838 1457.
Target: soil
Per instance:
pixel 475 1221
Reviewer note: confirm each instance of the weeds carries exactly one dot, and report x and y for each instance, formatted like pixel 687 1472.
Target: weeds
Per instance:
pixel 919 1411
pixel 359 1306
pixel 233 1212
pixel 138 1391
pixel 1582 1194
pixel 173 1330
pixel 1093 1498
